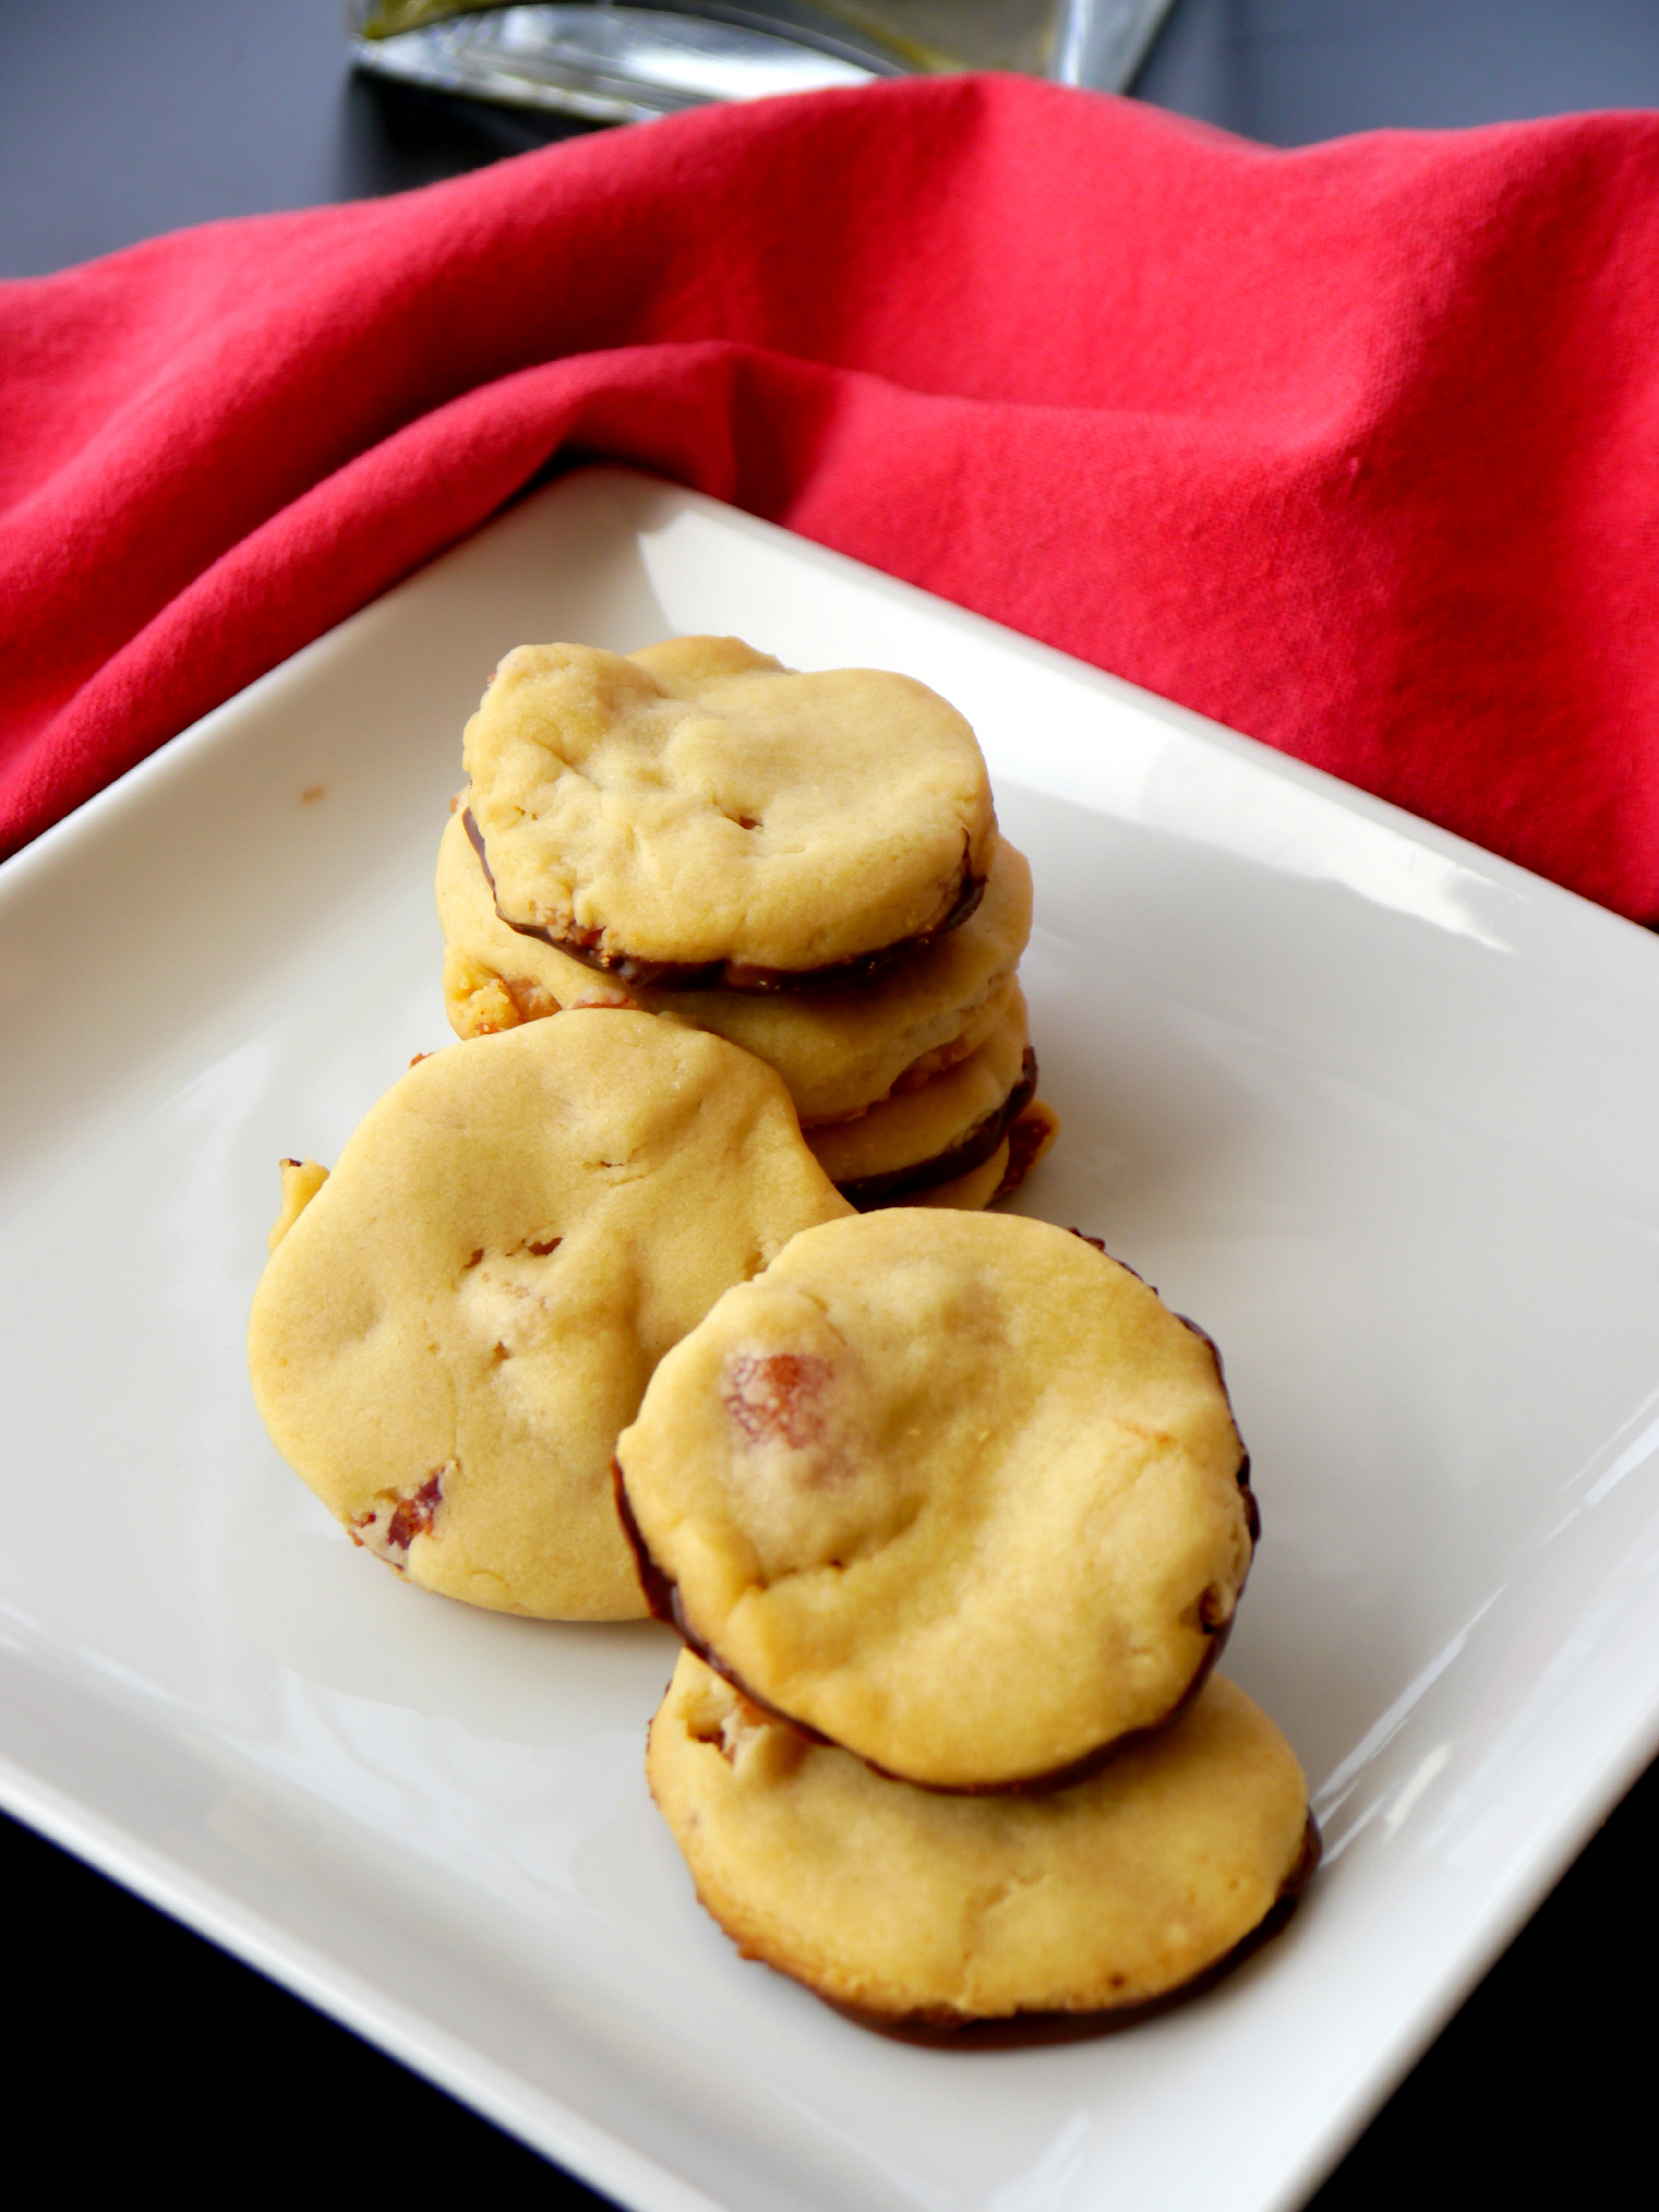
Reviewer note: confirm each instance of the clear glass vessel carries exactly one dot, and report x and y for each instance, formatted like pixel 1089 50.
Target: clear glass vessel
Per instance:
pixel 623 63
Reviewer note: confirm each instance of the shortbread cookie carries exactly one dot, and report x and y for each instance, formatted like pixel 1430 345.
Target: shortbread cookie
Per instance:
pixel 838 1051
pixel 938 1130
pixel 915 1909
pixel 952 1489
pixel 696 815
pixel 450 1332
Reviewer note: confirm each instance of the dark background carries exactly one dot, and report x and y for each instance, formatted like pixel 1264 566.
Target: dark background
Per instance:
pixel 146 2053
pixel 119 119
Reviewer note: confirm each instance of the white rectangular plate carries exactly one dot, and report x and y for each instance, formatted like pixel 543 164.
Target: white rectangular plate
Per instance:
pixel 1375 1109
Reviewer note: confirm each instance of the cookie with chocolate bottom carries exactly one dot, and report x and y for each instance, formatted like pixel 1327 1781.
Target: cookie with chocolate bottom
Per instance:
pixel 973 1190
pixel 695 815
pixel 454 1325
pixel 1030 1133
pixel 952 1490
pixel 838 1051
pixel 938 1131
pixel 919 1911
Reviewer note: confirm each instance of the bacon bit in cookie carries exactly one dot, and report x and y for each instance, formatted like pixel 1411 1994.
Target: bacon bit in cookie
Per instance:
pixel 778 1394
pixel 413 1517
pixel 541 1251
pixel 474 1261
pixel 392 1525
pixel 418 1058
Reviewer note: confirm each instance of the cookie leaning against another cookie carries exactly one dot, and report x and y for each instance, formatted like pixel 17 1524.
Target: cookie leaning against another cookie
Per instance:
pixel 451 1330
pixel 917 1910
pixel 952 1489
pixel 697 815
pixel 838 1051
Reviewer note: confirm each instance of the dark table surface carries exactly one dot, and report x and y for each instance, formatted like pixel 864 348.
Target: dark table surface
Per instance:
pixel 144 2051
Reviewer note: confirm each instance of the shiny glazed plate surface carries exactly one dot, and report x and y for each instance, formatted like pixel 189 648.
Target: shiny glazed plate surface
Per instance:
pixel 1375 1108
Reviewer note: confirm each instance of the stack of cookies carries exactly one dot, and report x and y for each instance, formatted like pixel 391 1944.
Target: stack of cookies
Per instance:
pixel 952 1516
pixel 638 1311
pixel 788 897
pixel 807 865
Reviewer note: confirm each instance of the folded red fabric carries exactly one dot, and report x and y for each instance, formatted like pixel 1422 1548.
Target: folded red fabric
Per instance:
pixel 1355 448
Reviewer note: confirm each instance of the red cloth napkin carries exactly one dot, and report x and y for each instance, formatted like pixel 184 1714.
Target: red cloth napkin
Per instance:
pixel 1355 448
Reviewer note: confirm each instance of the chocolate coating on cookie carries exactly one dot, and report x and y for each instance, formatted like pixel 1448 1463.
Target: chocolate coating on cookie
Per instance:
pixel 940 2029
pixel 839 1051
pixel 695 815
pixel 950 1489
pixel 588 946
pixel 867 1191
pixel 934 1132
pixel 662 1600
pixel 990 1919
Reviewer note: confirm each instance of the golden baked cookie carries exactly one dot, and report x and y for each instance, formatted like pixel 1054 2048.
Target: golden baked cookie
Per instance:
pixel 915 1909
pixel 697 815
pixel 952 1489
pixel 839 1051
pixel 936 1131
pixel 451 1331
